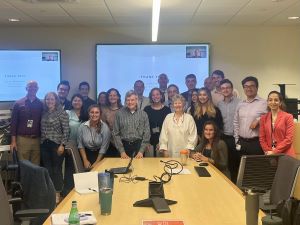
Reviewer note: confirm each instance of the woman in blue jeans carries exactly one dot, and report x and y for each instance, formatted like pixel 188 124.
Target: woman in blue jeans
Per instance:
pixel 54 136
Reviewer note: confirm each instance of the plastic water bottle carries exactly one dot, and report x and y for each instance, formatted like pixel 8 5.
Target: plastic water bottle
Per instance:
pixel 74 216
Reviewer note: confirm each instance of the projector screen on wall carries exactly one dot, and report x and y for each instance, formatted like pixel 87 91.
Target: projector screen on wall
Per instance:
pixel 17 67
pixel 119 66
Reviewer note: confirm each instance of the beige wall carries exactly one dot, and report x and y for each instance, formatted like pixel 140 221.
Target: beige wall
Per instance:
pixel 296 141
pixel 270 53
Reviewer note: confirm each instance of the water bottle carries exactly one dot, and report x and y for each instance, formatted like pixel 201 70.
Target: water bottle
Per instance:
pixel 74 216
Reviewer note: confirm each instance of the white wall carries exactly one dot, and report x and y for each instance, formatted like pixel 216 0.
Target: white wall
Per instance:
pixel 270 53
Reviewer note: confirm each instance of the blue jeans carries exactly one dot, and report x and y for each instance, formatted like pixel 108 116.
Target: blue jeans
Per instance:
pixel 53 163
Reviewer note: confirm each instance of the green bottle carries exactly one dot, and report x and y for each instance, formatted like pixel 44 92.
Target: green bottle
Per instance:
pixel 74 216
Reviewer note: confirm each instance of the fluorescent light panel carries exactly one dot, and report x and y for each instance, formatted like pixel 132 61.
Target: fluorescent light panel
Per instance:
pixel 293 17
pixel 13 20
pixel 155 19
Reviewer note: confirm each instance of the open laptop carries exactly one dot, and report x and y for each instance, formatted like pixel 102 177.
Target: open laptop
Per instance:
pixel 122 170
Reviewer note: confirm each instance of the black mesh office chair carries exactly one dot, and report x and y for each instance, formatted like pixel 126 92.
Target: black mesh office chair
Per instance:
pixel 285 179
pixel 6 215
pixel 274 173
pixel 257 171
pixel 38 189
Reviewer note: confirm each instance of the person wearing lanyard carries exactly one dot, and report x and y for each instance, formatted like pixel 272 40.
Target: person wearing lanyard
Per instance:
pixel 246 119
pixel 156 112
pixel 25 125
pixel 131 131
pixel 178 130
pixel 93 138
pixel 276 127
pixel 227 107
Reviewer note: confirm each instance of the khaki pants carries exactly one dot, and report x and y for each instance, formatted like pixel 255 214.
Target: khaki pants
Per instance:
pixel 28 149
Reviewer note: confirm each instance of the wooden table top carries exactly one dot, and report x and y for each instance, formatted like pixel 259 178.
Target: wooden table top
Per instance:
pixel 200 200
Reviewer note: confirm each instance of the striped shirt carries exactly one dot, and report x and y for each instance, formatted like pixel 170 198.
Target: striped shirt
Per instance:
pixel 228 110
pixel 89 138
pixel 55 126
pixel 131 127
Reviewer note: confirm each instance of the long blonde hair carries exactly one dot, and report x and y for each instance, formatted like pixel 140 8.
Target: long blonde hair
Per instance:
pixel 210 108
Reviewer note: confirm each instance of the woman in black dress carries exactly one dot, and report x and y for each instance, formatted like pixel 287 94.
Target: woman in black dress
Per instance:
pixel 156 112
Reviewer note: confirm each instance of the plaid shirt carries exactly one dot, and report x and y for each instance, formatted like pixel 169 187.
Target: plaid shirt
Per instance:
pixel 55 126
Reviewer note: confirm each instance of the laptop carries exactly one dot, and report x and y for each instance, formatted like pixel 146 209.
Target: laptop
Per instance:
pixel 122 170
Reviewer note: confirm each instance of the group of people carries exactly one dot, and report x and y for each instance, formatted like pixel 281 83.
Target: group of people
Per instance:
pixel 211 122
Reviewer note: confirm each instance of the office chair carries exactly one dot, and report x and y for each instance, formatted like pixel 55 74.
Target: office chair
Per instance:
pixel 257 171
pixel 273 173
pixel 296 186
pixel 38 189
pixel 77 161
pixel 285 179
pixel 6 215
pixel 9 166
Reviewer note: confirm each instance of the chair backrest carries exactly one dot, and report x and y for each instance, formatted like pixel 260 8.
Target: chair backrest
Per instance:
pixel 38 189
pixel 77 161
pixel 257 171
pixel 296 186
pixel 5 213
pixel 284 179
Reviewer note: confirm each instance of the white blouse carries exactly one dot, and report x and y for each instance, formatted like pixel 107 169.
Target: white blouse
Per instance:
pixel 178 135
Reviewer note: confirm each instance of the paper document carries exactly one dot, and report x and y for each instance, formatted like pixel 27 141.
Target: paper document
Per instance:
pixel 163 222
pixel 86 183
pixel 184 171
pixel 62 218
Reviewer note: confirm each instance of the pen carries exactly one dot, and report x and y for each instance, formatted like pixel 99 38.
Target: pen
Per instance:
pixel 91 189
pixel 85 214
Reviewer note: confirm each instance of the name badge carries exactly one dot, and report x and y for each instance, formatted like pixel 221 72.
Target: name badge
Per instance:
pixel 29 123
pixel 155 130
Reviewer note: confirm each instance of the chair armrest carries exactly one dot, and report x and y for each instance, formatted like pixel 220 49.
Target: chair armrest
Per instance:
pixel 14 200
pixel 31 213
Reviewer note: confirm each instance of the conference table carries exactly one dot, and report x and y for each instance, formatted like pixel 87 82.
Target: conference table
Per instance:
pixel 200 200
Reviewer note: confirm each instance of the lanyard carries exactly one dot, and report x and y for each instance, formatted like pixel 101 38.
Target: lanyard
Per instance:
pixel 272 132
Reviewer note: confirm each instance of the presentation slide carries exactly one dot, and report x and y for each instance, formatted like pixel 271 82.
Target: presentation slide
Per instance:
pixel 119 66
pixel 17 67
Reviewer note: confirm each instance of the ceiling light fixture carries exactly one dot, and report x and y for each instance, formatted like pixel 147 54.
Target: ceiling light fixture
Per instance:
pixel 293 17
pixel 13 20
pixel 155 19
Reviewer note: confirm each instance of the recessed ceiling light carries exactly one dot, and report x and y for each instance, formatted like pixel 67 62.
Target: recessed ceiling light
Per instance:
pixel 277 0
pixel 293 17
pixel 13 20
